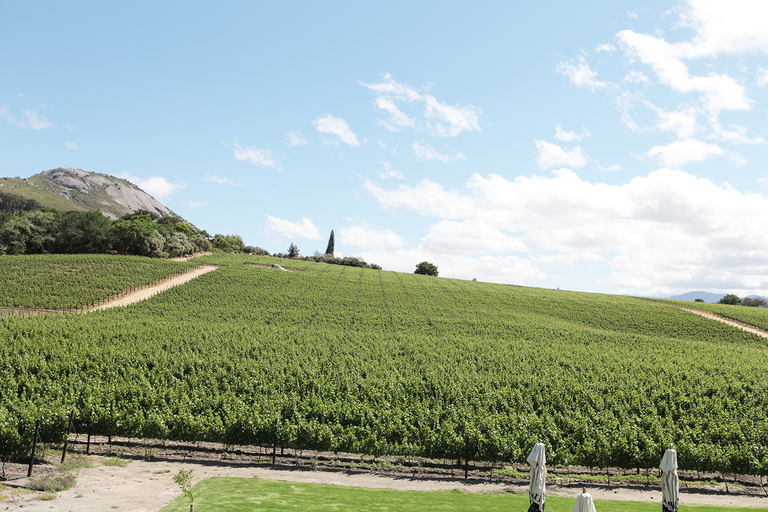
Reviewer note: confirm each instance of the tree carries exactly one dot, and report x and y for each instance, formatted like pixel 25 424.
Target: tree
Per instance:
pixel 699 300
pixel 756 302
pixel 11 203
pixel 83 232
pixel 730 299
pixel 184 480
pixel 231 242
pixel 132 236
pixel 330 248
pixel 426 268
pixel 293 251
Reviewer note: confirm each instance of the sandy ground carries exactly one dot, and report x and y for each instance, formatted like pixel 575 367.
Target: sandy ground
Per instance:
pixel 142 486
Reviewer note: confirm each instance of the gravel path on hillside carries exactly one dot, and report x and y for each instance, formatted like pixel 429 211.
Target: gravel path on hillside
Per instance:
pixel 734 323
pixel 146 293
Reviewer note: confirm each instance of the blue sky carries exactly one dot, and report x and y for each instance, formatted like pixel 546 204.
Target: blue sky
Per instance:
pixel 605 146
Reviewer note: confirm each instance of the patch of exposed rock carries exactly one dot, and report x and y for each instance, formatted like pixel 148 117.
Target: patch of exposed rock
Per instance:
pixel 124 193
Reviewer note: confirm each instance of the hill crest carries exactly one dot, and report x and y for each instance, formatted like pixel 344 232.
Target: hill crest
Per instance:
pixel 68 189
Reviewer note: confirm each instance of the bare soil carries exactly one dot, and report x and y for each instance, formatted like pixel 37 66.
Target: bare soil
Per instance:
pixel 137 476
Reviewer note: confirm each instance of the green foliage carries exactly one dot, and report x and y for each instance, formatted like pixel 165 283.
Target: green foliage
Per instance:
pixel 132 236
pixel 83 232
pixel 78 280
pixel 426 268
pixel 259 495
pixel 201 244
pixel 184 480
pixel 11 203
pixel 184 228
pixel 338 358
pixel 293 251
pixel 756 302
pixel 256 251
pixel 232 242
pixel 178 245
pixel 730 299
pixel 331 246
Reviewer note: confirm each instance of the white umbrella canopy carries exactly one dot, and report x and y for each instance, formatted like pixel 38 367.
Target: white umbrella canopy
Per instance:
pixel 584 502
pixel 670 483
pixel 536 489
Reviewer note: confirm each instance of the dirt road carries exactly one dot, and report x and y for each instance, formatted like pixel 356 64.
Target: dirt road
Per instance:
pixel 154 290
pixel 740 325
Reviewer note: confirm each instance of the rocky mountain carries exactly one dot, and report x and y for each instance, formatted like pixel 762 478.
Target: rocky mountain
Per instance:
pixel 69 189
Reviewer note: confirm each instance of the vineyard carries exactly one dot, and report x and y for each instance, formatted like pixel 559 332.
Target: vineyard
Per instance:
pixel 76 281
pixel 381 363
pixel 752 316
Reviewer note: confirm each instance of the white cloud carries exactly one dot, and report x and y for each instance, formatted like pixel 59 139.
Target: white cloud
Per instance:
pixel 724 28
pixel 221 180
pixel 194 205
pixel 397 118
pixel 296 138
pixel 611 168
pixel 606 47
pixel 565 136
pixel 156 186
pixel 580 74
pixel 734 134
pixel 72 145
pixel 663 231
pixel 718 91
pixel 471 236
pixel 761 77
pixel 636 77
pixel 390 172
pixel 369 237
pixel 33 119
pixel 451 119
pixel 440 118
pixel 681 152
pixel 304 228
pixel 336 126
pixel 255 156
pixel 424 151
pixel 552 155
pixel 683 123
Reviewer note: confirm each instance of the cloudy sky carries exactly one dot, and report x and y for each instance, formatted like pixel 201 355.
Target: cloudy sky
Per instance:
pixel 608 146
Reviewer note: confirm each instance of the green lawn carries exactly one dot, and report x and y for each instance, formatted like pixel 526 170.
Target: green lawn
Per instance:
pixel 255 494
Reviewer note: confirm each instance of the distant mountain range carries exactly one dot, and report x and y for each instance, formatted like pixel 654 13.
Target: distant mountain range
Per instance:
pixel 708 297
pixel 74 189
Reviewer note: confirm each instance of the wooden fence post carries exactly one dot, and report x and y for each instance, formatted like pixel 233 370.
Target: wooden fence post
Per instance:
pixel 66 441
pixel 34 448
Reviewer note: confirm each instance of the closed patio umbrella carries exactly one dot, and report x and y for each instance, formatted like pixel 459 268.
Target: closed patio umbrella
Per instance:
pixel 670 483
pixel 584 502
pixel 536 492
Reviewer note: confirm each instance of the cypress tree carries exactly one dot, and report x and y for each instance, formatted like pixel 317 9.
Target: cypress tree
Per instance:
pixel 329 249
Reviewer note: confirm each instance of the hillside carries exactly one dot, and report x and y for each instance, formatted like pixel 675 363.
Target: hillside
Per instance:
pixel 372 362
pixel 73 189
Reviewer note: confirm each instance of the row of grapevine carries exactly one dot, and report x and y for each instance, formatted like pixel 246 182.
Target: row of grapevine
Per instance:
pixel 359 360
pixel 77 281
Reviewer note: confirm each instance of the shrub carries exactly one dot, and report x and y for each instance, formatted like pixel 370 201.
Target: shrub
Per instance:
pixel 426 268
pixel 52 482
